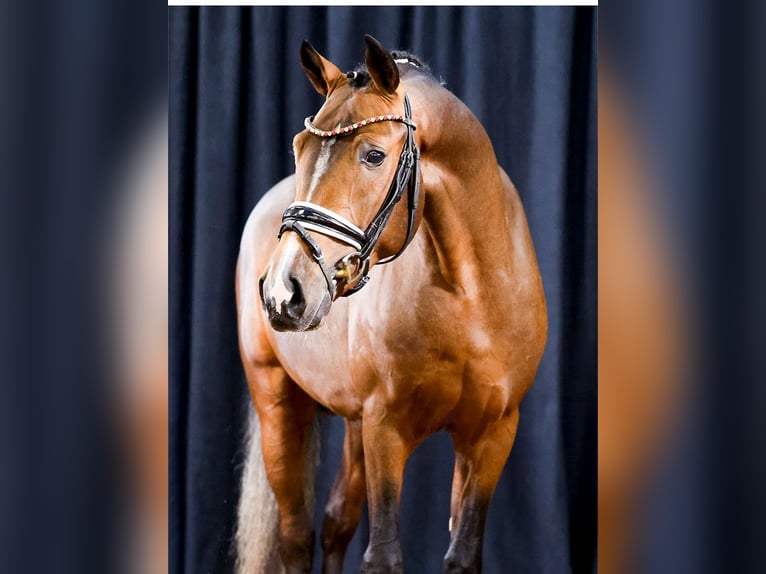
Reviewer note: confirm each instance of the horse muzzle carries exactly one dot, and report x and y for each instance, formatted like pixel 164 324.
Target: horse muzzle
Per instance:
pixel 288 308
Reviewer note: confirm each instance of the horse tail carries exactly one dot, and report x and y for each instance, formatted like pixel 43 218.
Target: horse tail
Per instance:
pixel 257 516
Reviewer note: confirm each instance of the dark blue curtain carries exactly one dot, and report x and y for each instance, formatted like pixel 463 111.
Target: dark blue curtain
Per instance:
pixel 237 97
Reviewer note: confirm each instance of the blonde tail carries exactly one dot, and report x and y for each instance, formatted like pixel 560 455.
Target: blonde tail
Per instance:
pixel 257 516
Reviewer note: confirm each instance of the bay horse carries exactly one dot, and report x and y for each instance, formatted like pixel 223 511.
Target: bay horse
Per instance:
pixel 432 317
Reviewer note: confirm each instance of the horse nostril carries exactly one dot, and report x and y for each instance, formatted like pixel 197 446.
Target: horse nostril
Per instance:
pixel 297 304
pixel 260 289
pixel 297 298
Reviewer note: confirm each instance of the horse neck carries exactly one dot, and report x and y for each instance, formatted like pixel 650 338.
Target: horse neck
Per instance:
pixel 466 210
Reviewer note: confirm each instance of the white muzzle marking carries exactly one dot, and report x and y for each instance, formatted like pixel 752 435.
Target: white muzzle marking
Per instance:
pixel 282 289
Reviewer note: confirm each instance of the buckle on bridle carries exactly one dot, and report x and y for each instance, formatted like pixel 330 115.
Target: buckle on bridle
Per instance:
pixel 351 268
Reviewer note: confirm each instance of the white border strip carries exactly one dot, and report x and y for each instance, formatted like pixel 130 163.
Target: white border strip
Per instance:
pixel 330 233
pixel 324 230
pixel 328 213
pixel 382 3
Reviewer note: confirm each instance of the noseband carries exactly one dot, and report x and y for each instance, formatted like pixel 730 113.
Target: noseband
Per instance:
pixel 302 216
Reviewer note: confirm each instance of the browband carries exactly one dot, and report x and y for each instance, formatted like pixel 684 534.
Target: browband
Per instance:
pixel 309 125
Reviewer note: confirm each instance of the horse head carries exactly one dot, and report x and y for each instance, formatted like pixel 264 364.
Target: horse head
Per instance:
pixel 353 162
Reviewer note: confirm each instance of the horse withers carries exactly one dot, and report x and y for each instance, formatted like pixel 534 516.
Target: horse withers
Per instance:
pixel 393 281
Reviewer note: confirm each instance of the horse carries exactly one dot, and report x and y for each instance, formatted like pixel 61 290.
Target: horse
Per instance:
pixel 430 318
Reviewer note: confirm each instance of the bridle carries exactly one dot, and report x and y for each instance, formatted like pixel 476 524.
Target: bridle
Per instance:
pixel 302 216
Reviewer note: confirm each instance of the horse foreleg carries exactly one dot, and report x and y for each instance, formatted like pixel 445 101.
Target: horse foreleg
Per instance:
pixel 385 454
pixel 286 412
pixel 346 499
pixel 458 482
pixel 478 465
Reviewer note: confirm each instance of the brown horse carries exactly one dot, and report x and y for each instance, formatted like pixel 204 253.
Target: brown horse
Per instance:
pixel 449 336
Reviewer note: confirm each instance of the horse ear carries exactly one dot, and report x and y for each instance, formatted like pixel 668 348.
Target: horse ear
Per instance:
pixel 381 66
pixel 322 73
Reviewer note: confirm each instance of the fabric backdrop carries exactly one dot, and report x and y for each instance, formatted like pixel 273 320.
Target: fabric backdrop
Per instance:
pixel 237 97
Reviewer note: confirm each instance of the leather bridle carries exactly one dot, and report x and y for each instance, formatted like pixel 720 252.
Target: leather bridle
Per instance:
pixel 301 217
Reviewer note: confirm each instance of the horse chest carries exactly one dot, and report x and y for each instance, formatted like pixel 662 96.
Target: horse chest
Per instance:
pixel 358 350
pixel 413 343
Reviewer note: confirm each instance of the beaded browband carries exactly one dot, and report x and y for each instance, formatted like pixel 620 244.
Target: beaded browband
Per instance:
pixel 308 122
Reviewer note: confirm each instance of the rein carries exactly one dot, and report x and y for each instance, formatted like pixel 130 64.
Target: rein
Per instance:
pixel 302 216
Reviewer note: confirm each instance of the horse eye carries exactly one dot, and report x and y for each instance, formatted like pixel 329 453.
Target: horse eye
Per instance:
pixel 374 157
